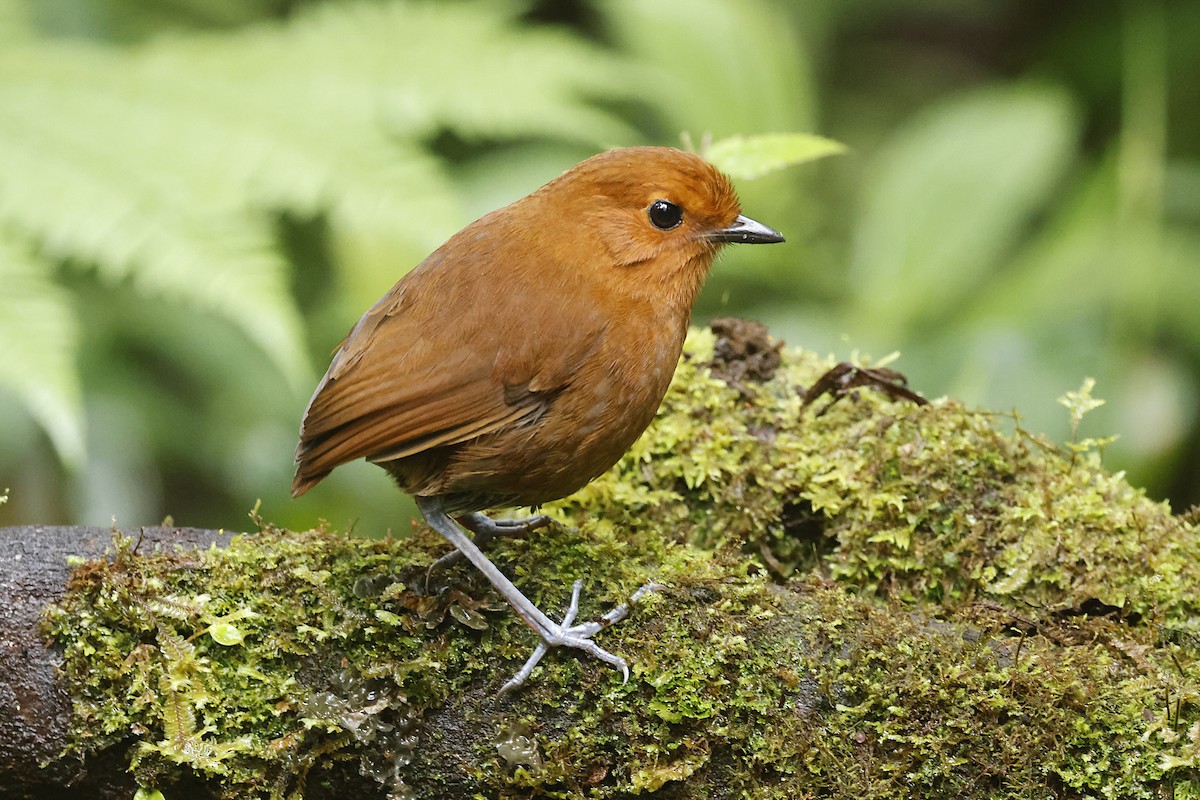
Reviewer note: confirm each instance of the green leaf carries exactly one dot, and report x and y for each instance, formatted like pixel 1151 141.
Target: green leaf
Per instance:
pixel 950 195
pixel 38 346
pixel 719 67
pixel 387 617
pixel 747 157
pixel 147 794
pixel 226 633
pixel 16 21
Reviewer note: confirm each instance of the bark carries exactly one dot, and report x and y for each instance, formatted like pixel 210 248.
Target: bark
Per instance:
pixel 35 711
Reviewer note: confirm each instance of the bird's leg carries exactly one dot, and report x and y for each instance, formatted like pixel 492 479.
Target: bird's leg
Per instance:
pixel 611 618
pixel 485 528
pixel 553 634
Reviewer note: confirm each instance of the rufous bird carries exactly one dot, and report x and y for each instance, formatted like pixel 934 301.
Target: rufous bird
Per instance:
pixel 524 356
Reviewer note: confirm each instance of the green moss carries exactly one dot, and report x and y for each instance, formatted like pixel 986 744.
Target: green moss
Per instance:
pixel 208 658
pixel 881 600
pixel 925 503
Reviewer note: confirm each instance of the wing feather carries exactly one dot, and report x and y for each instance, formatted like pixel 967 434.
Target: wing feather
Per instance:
pixel 424 368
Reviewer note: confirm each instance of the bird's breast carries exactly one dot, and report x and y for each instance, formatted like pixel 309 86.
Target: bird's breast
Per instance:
pixel 587 427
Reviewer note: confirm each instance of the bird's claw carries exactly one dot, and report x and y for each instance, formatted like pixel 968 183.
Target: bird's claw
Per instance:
pixel 579 636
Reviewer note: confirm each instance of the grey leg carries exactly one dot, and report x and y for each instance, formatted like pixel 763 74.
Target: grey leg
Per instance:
pixel 552 634
pixel 485 529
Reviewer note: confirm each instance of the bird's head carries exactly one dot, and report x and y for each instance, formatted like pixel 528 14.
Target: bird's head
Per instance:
pixel 660 215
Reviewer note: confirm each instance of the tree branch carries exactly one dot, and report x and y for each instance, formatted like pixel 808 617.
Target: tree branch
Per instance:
pixel 887 600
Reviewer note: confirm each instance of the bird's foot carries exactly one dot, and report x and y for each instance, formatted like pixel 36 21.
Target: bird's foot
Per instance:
pixel 484 526
pixel 564 634
pixel 552 634
pixel 485 529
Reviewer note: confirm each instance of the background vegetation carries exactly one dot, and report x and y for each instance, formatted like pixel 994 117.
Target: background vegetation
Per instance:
pixel 199 197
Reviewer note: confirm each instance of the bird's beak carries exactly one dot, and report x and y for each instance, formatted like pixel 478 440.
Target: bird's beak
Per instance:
pixel 746 231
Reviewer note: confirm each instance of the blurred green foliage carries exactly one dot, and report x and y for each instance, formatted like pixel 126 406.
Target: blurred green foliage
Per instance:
pixel 198 199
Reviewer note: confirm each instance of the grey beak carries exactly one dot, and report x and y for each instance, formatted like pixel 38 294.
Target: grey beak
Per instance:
pixel 746 231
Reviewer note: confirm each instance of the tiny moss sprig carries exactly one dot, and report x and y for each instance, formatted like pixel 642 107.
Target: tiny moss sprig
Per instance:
pixel 1079 404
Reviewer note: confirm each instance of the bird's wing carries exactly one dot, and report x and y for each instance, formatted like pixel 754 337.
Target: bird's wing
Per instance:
pixel 416 375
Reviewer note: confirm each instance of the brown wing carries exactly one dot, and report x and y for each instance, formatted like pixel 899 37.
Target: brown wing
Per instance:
pixel 445 357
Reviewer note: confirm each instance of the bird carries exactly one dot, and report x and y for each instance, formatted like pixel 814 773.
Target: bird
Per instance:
pixel 524 356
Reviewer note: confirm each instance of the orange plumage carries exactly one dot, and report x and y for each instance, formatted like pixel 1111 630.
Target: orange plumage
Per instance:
pixel 525 355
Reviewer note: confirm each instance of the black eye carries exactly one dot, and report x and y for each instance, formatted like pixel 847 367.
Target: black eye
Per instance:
pixel 664 214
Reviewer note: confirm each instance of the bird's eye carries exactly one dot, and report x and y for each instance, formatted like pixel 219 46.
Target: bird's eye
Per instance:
pixel 664 214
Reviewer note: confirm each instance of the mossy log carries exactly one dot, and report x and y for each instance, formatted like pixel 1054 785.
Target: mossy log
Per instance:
pixel 864 598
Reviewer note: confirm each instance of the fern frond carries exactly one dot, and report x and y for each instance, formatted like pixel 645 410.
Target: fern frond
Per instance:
pixel 345 96
pixel 38 346
pixel 179 718
pixel 161 164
